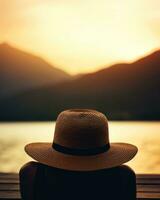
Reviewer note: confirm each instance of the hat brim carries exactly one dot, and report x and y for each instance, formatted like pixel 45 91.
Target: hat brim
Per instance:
pixel 118 154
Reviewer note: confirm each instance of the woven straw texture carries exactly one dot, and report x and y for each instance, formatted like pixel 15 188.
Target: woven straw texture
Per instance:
pixel 82 129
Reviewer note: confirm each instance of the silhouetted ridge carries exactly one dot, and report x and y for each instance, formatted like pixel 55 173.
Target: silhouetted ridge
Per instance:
pixel 123 91
pixel 20 71
pixel 5 45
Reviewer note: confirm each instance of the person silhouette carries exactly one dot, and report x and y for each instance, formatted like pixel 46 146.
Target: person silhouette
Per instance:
pixel 80 163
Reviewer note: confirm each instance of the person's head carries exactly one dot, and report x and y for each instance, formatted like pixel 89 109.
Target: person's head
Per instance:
pixel 81 143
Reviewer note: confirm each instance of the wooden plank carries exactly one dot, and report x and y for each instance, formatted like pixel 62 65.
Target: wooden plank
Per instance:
pixel 139 178
pixel 140 188
pixel 148 182
pixel 16 195
pixel 143 196
pixel 9 181
pixel 148 179
pixel 10 176
pixel 9 187
pixel 10 195
pixel 140 182
pixel 148 175
pixel 137 175
pixel 148 187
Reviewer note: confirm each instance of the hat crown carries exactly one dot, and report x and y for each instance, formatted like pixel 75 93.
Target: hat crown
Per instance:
pixel 82 129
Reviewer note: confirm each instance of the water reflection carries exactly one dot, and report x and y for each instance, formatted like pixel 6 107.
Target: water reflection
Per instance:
pixel 145 135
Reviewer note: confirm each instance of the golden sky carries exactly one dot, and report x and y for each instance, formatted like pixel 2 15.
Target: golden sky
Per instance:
pixel 82 35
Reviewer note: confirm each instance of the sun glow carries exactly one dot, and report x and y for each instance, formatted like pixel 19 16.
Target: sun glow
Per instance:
pixel 82 36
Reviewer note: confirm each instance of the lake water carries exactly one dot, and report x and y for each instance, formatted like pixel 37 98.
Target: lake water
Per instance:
pixel 145 135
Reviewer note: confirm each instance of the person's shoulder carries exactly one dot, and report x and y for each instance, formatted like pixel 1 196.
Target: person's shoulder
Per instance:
pixel 29 168
pixel 29 165
pixel 126 170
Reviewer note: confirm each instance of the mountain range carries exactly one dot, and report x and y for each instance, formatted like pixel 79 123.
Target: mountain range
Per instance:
pixel 20 71
pixel 124 91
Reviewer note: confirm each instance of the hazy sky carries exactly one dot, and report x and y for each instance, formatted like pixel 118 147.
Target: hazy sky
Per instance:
pixel 82 35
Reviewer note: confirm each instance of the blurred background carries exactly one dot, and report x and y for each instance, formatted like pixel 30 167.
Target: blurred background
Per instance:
pixel 101 54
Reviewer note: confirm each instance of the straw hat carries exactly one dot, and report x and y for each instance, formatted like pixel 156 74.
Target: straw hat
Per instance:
pixel 81 143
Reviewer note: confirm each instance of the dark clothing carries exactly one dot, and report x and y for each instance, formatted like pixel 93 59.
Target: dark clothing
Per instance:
pixel 41 182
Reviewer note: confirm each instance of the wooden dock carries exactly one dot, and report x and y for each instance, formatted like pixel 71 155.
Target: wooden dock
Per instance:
pixel 148 187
